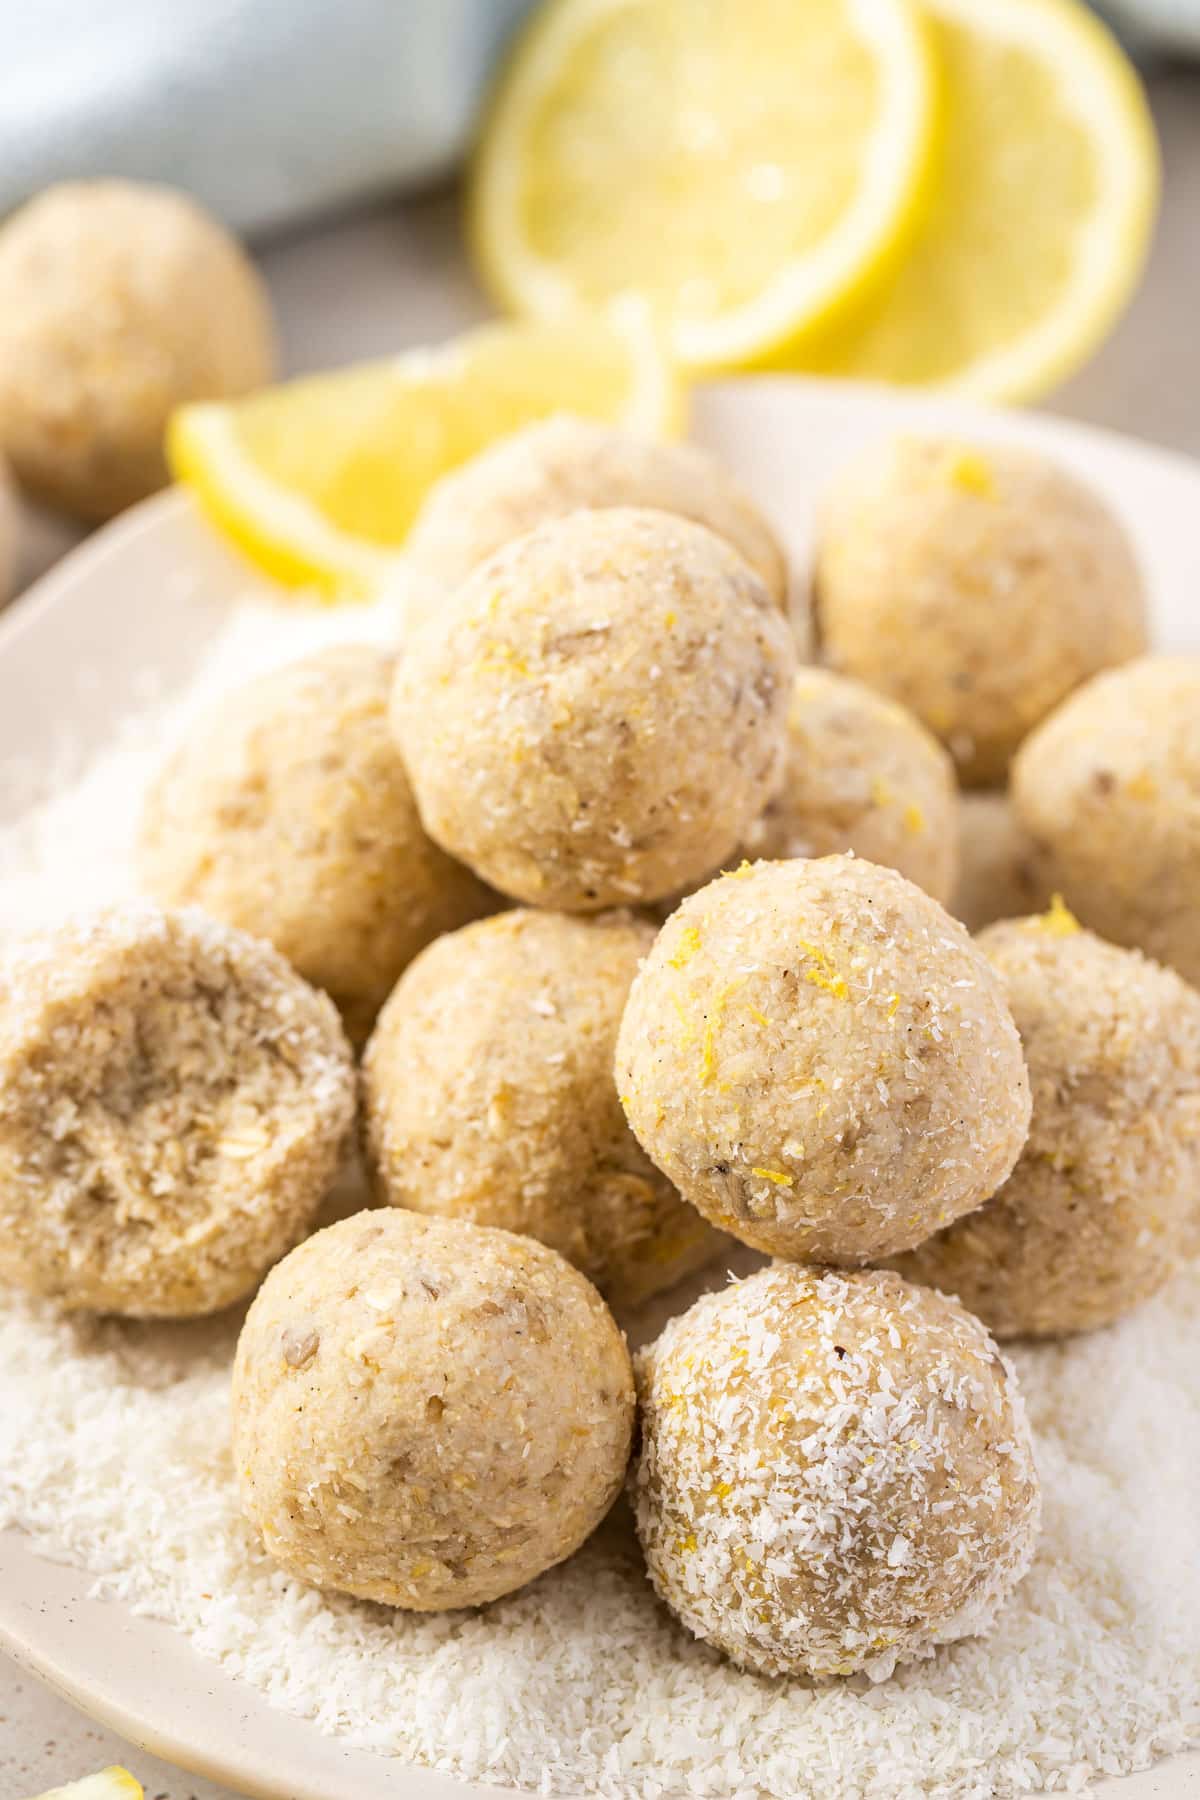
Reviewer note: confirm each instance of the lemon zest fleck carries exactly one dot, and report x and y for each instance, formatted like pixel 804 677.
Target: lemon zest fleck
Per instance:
pixel 971 473
pixel 1059 921
pixel 826 975
pixel 774 1175
pixel 914 819
pixel 689 943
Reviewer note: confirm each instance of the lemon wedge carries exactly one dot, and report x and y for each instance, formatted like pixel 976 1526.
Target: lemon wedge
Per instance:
pixel 318 480
pixel 107 1784
pixel 743 166
pixel 1046 179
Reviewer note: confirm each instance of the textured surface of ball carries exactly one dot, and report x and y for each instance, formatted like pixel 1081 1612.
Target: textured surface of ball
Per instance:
pixel 1109 790
pixel 977 586
pixel 427 1413
pixel 287 812
pixel 561 464
pixel 598 714
pixel 998 872
pixel 173 1105
pixel 118 302
pixel 1097 1212
pixel 822 1062
pixel 862 775
pixel 489 1095
pixel 835 1472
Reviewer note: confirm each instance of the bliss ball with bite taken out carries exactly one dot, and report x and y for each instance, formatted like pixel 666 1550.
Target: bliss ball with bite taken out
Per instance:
pixel 862 775
pixel 977 586
pixel 286 811
pixel 119 301
pixel 820 1059
pixel 489 1095
pixel 561 464
pixel 1109 791
pixel 598 714
pixel 174 1102
pixel 835 1472
pixel 1100 1208
pixel 427 1413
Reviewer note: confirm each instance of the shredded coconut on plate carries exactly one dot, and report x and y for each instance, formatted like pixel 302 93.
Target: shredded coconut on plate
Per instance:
pixel 114 1454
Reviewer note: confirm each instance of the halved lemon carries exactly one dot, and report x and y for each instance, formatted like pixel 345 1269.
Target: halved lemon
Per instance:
pixel 1046 180
pixel 114 1783
pixel 740 165
pixel 318 480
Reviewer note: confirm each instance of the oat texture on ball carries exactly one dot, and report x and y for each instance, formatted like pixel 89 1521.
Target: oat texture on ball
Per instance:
pixel 174 1101
pixel 428 1413
pixel 118 302
pixel 1109 791
pixel 561 464
pixel 489 1095
pixel 286 811
pixel 598 714
pixel 976 585
pixel 999 876
pixel 862 775
pixel 1097 1212
pixel 835 1474
pixel 822 1062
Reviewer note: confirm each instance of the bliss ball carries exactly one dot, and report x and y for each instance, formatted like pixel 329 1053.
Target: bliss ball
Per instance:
pixel 862 775
pixel 8 535
pixel 599 712
pixel 174 1102
pixel 427 1413
pixel 998 873
pixel 978 587
pixel 561 464
pixel 287 812
pixel 1109 791
pixel 489 1095
pixel 1096 1214
pixel 835 1472
pixel 822 1062
pixel 118 302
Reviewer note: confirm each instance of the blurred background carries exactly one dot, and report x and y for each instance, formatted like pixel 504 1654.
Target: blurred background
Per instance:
pixel 333 140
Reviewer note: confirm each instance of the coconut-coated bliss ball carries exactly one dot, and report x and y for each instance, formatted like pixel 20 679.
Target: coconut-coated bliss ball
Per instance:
pixel 835 1472
pixel 1097 1212
pixel 427 1413
pixel 563 463
pixel 862 775
pixel 286 811
pixel 820 1059
pixel 489 1095
pixel 977 586
pixel 1109 791
pixel 598 714
pixel 118 302
pixel 174 1102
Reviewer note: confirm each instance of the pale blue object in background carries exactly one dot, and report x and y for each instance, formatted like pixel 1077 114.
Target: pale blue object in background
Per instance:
pixel 266 110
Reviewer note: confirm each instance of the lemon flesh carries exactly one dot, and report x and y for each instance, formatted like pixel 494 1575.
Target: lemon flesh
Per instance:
pixel 1037 228
pixel 740 165
pixel 318 480
pixel 107 1784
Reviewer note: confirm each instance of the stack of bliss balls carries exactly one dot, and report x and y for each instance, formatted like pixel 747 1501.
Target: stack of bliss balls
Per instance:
pixel 641 934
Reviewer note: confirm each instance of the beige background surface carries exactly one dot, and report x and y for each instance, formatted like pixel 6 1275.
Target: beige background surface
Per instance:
pixel 394 277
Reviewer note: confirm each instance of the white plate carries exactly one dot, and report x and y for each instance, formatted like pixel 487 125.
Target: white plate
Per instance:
pixel 78 647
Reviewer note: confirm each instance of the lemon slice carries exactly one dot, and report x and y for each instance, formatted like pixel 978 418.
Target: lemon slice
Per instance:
pixel 107 1784
pixel 319 480
pixel 742 165
pixel 1046 178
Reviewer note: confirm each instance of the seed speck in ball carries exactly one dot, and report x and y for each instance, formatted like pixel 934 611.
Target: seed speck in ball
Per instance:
pixel 835 1472
pixel 427 1413
pixel 822 1061
pixel 174 1101
pixel 599 713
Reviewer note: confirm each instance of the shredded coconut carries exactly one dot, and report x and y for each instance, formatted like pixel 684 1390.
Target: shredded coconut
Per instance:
pixel 114 1453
